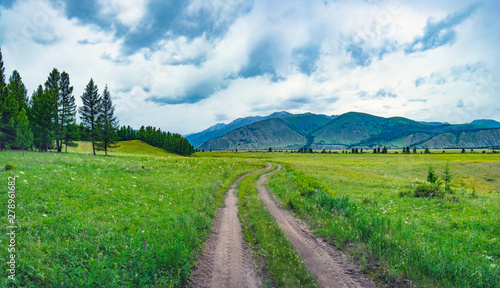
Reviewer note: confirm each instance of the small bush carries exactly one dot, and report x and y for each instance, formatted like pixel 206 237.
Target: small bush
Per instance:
pixel 428 190
pixel 368 200
pixel 431 175
pixel 9 167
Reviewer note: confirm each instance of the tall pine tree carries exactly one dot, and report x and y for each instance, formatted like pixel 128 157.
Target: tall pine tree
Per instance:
pixel 107 123
pixel 14 99
pixel 52 89
pixel 67 111
pixel 90 110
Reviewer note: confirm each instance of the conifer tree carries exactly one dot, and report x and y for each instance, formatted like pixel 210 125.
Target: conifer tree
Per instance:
pixel 14 99
pixel 52 90
pixel 24 136
pixel 141 134
pixel 67 111
pixel 42 125
pixel 90 110
pixel 107 123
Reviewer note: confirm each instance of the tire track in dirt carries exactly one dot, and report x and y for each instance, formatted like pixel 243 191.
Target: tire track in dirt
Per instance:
pixel 327 264
pixel 225 262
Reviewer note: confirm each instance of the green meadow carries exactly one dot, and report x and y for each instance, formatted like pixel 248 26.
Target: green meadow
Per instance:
pixel 360 202
pixel 108 222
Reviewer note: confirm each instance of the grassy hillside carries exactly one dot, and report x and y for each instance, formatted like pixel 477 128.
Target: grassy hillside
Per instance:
pixel 133 147
pixel 348 129
pixel 307 123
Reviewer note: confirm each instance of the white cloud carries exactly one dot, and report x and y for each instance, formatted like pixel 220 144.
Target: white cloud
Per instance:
pixel 39 36
pixel 128 12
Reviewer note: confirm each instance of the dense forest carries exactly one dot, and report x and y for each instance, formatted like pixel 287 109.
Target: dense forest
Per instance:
pixel 173 143
pixel 46 121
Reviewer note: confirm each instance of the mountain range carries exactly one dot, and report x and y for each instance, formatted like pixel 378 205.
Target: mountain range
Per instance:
pixel 283 130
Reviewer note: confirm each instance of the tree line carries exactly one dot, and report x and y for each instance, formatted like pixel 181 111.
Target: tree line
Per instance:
pixel 170 142
pixel 47 120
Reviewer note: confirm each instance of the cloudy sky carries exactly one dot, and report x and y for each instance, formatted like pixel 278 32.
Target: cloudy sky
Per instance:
pixel 186 65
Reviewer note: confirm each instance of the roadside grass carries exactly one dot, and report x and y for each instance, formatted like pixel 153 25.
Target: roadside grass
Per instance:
pixel 87 221
pixel 354 201
pixel 271 247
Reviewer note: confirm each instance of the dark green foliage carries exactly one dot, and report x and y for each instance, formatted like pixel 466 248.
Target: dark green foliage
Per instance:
pixel 431 175
pixel 8 167
pixel 463 150
pixel 107 123
pixel 141 133
pixel 126 133
pixel 90 111
pixel 24 136
pixel 13 99
pixel 428 190
pixel 270 149
pixel 41 125
pixel 173 143
pixel 427 151
pixel 384 151
pixel 53 97
pixel 84 133
pixel 414 150
pixel 67 113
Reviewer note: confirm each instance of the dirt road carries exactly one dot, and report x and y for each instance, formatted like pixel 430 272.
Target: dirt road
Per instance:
pixel 225 261
pixel 328 265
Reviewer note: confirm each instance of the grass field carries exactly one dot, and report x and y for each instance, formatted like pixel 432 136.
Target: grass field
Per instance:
pixel 107 222
pixel 354 201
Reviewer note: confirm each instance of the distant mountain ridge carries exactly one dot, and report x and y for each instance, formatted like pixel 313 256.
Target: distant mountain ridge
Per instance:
pixel 222 129
pixel 283 130
pixel 486 122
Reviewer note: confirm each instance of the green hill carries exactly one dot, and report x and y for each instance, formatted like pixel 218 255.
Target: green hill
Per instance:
pixel 133 147
pixel 261 135
pixel 351 129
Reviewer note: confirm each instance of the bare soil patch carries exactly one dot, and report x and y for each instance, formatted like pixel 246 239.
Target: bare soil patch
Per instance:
pixel 226 260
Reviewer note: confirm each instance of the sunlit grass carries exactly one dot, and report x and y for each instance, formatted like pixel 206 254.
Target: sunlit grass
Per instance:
pixel 108 222
pixel 450 242
pixel 133 147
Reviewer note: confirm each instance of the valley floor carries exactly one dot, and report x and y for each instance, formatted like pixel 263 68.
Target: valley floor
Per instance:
pixel 140 218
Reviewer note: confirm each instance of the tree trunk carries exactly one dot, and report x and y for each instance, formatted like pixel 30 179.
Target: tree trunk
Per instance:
pixel 23 152
pixel 93 147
